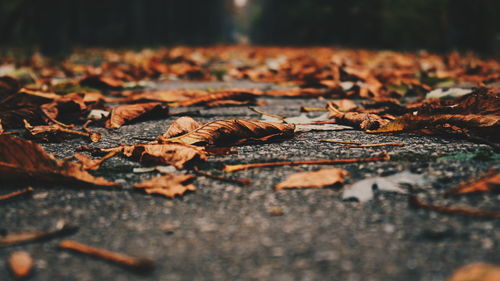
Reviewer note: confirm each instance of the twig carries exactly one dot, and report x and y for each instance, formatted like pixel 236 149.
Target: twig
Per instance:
pixel 376 144
pixel 27 237
pixel 239 181
pixel 139 264
pixel 231 168
pixel 340 141
pixel 15 194
pixel 266 114
pixel 44 111
pixel 312 109
pixel 414 202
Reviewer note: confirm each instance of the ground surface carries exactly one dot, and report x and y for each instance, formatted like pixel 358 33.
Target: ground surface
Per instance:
pixel 227 232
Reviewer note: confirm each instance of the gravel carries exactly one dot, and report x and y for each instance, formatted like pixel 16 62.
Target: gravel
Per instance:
pixel 228 232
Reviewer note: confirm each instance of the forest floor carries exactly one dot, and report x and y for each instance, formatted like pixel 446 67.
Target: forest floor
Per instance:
pixel 223 231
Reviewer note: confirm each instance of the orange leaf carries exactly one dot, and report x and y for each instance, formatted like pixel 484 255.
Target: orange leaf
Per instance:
pixel 168 185
pixel 181 126
pixel 234 131
pixel 476 272
pixel 21 159
pixel 314 179
pixel 123 114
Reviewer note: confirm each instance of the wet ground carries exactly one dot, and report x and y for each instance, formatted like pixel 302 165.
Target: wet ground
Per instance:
pixel 224 231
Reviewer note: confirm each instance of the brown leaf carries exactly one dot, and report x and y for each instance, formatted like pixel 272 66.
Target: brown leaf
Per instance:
pixel 178 155
pixel 314 179
pixel 234 131
pixel 344 105
pixel 476 272
pixel 223 97
pixel 101 82
pixel 72 107
pixel 181 126
pixel 168 185
pixel 361 120
pixel 20 264
pixel 57 133
pixel 485 184
pixel 21 160
pixel 93 164
pixel 123 114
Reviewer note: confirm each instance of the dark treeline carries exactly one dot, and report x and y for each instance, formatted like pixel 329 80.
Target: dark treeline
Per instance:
pixel 56 25
pixel 438 25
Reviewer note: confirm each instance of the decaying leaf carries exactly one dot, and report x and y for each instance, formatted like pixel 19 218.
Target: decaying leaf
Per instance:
pixel 314 179
pixel 234 131
pixel 57 133
pixel 485 184
pixel 177 154
pixel 476 272
pixel 21 160
pixel 362 190
pixel 20 264
pixel 181 126
pixel 361 120
pixel 168 185
pixel 123 114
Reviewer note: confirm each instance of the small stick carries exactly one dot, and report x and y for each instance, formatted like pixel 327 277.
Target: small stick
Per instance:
pixel 238 181
pixel 85 126
pixel 231 168
pixel 139 264
pixel 340 141
pixel 27 237
pixel 414 202
pixel 44 111
pixel 24 192
pixel 266 114
pixel 312 109
pixel 376 144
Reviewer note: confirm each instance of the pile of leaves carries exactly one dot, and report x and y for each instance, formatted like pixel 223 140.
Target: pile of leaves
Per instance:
pixel 378 92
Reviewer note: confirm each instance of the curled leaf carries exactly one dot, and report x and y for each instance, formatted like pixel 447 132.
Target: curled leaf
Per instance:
pixel 168 185
pixel 21 160
pixel 178 155
pixel 314 179
pixel 361 120
pixel 234 131
pixel 181 126
pixel 123 114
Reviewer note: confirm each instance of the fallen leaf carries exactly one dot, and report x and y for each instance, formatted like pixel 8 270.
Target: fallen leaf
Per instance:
pixel 343 105
pixel 361 120
pixel 57 133
pixel 20 264
pixel 478 271
pixel 181 126
pixel 93 164
pixel 223 97
pixel 362 190
pixel 21 160
pixel 485 184
pixel 177 154
pixel 314 179
pixel 123 114
pixel 168 185
pixel 101 82
pixel 234 131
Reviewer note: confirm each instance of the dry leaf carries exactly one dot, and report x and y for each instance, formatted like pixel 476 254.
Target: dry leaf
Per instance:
pixel 181 126
pixel 168 185
pixel 57 133
pixel 234 131
pixel 314 179
pixel 343 105
pixel 223 97
pixel 101 82
pixel 20 264
pixel 21 160
pixel 93 164
pixel 177 154
pixel 361 120
pixel 485 184
pixel 476 272
pixel 123 114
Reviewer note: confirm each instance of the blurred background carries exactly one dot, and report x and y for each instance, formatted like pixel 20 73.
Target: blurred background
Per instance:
pixel 55 26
